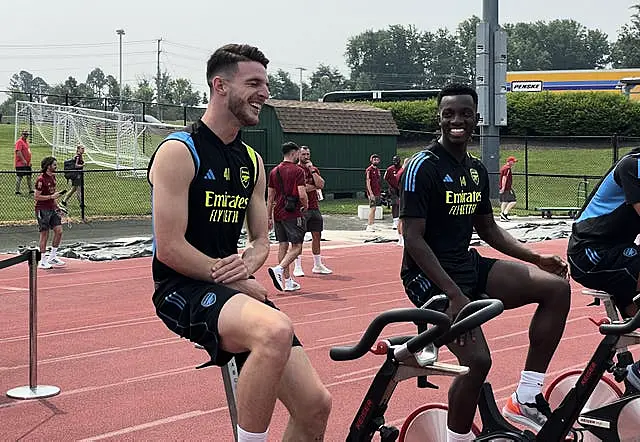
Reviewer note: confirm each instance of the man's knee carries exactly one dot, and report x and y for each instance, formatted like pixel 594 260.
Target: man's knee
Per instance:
pixel 560 294
pixel 273 331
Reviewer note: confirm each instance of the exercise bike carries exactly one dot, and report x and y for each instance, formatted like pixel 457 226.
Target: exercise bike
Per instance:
pixel 408 357
pixel 600 409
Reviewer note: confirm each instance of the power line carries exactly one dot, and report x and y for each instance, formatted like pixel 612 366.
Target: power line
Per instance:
pixel 67 45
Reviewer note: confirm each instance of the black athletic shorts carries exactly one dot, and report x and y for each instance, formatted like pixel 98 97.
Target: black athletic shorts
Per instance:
pixel 471 278
pixel 23 171
pixel 508 196
pixel 313 220
pixel 290 230
pixel 612 269
pixel 47 219
pixel 191 309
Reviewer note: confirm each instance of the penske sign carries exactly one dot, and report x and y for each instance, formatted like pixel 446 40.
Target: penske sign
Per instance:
pixel 526 86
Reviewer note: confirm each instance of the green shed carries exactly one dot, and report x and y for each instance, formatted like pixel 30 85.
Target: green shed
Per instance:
pixel 341 136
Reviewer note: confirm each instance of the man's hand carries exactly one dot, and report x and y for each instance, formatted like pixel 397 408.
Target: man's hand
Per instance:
pixel 553 264
pixel 501 190
pixel 456 303
pixel 309 165
pixel 229 269
pixel 250 287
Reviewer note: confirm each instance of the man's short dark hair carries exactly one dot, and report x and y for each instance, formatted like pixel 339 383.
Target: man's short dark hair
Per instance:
pixel 45 163
pixel 288 147
pixel 453 89
pixel 226 59
pixel 305 148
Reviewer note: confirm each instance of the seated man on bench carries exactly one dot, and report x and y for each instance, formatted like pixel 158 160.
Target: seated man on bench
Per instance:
pixel 602 252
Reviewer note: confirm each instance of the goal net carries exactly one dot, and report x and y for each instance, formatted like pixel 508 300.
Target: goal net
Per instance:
pixel 111 139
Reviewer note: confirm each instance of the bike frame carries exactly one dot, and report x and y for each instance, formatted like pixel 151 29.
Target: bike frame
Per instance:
pixel 562 419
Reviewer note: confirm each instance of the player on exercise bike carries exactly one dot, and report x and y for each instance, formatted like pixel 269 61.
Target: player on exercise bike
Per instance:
pixel 444 195
pixel 602 252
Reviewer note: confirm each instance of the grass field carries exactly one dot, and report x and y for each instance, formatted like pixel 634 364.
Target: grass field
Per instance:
pixel 108 194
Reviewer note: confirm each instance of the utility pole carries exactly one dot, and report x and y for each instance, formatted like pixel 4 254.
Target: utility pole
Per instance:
pixel 301 69
pixel 491 85
pixel 158 81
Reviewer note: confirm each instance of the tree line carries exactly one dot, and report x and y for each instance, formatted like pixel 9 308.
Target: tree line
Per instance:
pixel 398 57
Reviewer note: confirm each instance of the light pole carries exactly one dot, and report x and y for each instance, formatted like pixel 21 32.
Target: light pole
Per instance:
pixel 120 32
pixel 301 69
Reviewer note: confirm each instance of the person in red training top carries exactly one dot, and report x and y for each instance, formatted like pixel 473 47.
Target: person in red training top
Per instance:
pixel 374 191
pixel 391 177
pixel 314 183
pixel 286 203
pixel 507 195
pixel 47 212
pixel 22 161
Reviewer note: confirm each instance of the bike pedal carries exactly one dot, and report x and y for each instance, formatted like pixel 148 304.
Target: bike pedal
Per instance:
pixel 389 434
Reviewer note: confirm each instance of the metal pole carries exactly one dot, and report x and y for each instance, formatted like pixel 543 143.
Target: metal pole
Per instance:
pixel 33 320
pixel 490 133
pixel 120 32
pixel 301 69
pixel 33 390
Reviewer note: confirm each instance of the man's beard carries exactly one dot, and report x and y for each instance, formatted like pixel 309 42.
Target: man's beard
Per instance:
pixel 239 110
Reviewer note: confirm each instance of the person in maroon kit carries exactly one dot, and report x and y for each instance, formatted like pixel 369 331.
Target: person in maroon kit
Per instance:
pixel 391 176
pixel 313 217
pixel 374 191
pixel 507 194
pixel 286 201
pixel 47 212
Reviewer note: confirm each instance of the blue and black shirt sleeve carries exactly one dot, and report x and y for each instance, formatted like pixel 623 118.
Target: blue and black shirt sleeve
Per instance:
pixel 627 176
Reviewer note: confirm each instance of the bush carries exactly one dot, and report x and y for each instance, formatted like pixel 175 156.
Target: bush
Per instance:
pixel 543 113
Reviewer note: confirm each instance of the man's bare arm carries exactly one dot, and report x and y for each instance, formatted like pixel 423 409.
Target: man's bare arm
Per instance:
pixel 501 240
pixel 171 174
pixel 257 249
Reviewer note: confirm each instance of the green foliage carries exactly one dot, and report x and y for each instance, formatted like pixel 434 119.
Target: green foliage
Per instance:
pixel 543 113
pixel 412 115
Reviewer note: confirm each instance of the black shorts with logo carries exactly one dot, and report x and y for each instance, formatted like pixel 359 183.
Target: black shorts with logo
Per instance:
pixel 290 230
pixel 47 219
pixel 612 269
pixel 471 278
pixel 313 220
pixel 191 309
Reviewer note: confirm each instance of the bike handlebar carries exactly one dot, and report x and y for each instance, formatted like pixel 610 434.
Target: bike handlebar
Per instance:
pixel 627 326
pixel 471 316
pixel 440 321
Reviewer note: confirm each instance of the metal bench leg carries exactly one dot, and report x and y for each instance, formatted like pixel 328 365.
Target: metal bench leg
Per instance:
pixel 230 374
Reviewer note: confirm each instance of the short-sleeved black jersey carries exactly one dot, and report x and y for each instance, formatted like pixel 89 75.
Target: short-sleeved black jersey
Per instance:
pixel 608 218
pixel 218 195
pixel 447 194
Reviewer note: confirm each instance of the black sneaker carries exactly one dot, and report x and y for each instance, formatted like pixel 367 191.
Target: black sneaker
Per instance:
pixel 504 217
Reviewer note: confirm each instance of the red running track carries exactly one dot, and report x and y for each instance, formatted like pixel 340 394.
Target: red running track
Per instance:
pixel 124 376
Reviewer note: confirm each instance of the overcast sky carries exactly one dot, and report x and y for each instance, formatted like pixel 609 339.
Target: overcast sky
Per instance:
pixel 55 39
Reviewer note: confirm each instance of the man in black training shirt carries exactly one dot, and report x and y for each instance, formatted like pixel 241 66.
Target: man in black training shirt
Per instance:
pixel 204 181
pixel 602 251
pixel 444 195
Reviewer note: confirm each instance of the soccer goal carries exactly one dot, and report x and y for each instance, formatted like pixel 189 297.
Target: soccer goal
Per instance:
pixel 111 139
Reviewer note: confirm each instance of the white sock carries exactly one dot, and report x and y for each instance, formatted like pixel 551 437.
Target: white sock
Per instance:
pixel 529 387
pixel 53 252
pixel 299 262
pixel 279 268
pixel 452 436
pixel 245 436
pixel 317 260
